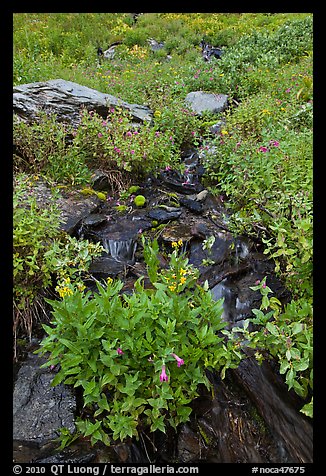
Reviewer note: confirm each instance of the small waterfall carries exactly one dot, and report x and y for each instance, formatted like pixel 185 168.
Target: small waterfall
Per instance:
pixel 222 290
pixel 241 250
pixel 121 250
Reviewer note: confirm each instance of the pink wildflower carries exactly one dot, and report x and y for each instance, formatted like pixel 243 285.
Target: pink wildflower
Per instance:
pixel 263 149
pixel 275 143
pixel 179 361
pixel 163 376
pixel 100 134
pixel 120 351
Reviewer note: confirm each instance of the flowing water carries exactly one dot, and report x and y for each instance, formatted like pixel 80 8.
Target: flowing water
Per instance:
pixel 250 417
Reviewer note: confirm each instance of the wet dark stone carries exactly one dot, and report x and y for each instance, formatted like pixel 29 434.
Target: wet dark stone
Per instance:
pixel 105 266
pixel 176 233
pixel 180 183
pixel 279 409
pixel 94 219
pixel 40 410
pixel 100 181
pixel 162 215
pixel 218 254
pixel 65 458
pixel 192 205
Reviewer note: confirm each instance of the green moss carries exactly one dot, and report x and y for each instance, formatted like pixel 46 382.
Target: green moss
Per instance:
pixel 139 201
pixel 133 189
pixel 101 195
pixel 206 438
pixel 121 208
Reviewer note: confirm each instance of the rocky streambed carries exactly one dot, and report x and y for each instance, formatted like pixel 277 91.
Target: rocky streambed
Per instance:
pixel 250 417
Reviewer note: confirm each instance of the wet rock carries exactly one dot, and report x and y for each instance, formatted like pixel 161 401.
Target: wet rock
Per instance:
pixel 175 233
pixel 66 99
pixel 40 410
pixel 65 457
pixel 73 206
pixel 189 447
pixel 182 183
pixel 200 101
pixel 162 215
pixel 226 428
pixel 193 205
pixel 279 408
pixel 100 181
pixel 94 219
pixel 219 252
pixel 104 266
pixel 74 209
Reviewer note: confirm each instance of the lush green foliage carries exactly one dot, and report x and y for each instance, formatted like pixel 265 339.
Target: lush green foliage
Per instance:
pixel 42 255
pixel 287 335
pixel 139 359
pixel 42 148
pixel 66 155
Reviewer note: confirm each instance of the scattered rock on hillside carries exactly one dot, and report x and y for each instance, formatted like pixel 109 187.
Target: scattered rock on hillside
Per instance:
pixel 200 101
pixel 66 99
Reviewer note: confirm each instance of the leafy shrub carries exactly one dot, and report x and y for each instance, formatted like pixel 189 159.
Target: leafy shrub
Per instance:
pixel 116 144
pixel 41 254
pixel 138 359
pixel 287 336
pixel 42 147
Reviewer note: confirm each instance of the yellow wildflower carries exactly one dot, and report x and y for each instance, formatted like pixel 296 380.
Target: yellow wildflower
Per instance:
pixel 172 287
pixel 183 280
pixel 109 280
pixel 64 291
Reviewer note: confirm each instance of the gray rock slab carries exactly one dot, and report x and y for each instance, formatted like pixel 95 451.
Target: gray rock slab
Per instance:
pixel 200 101
pixel 40 410
pixel 66 99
